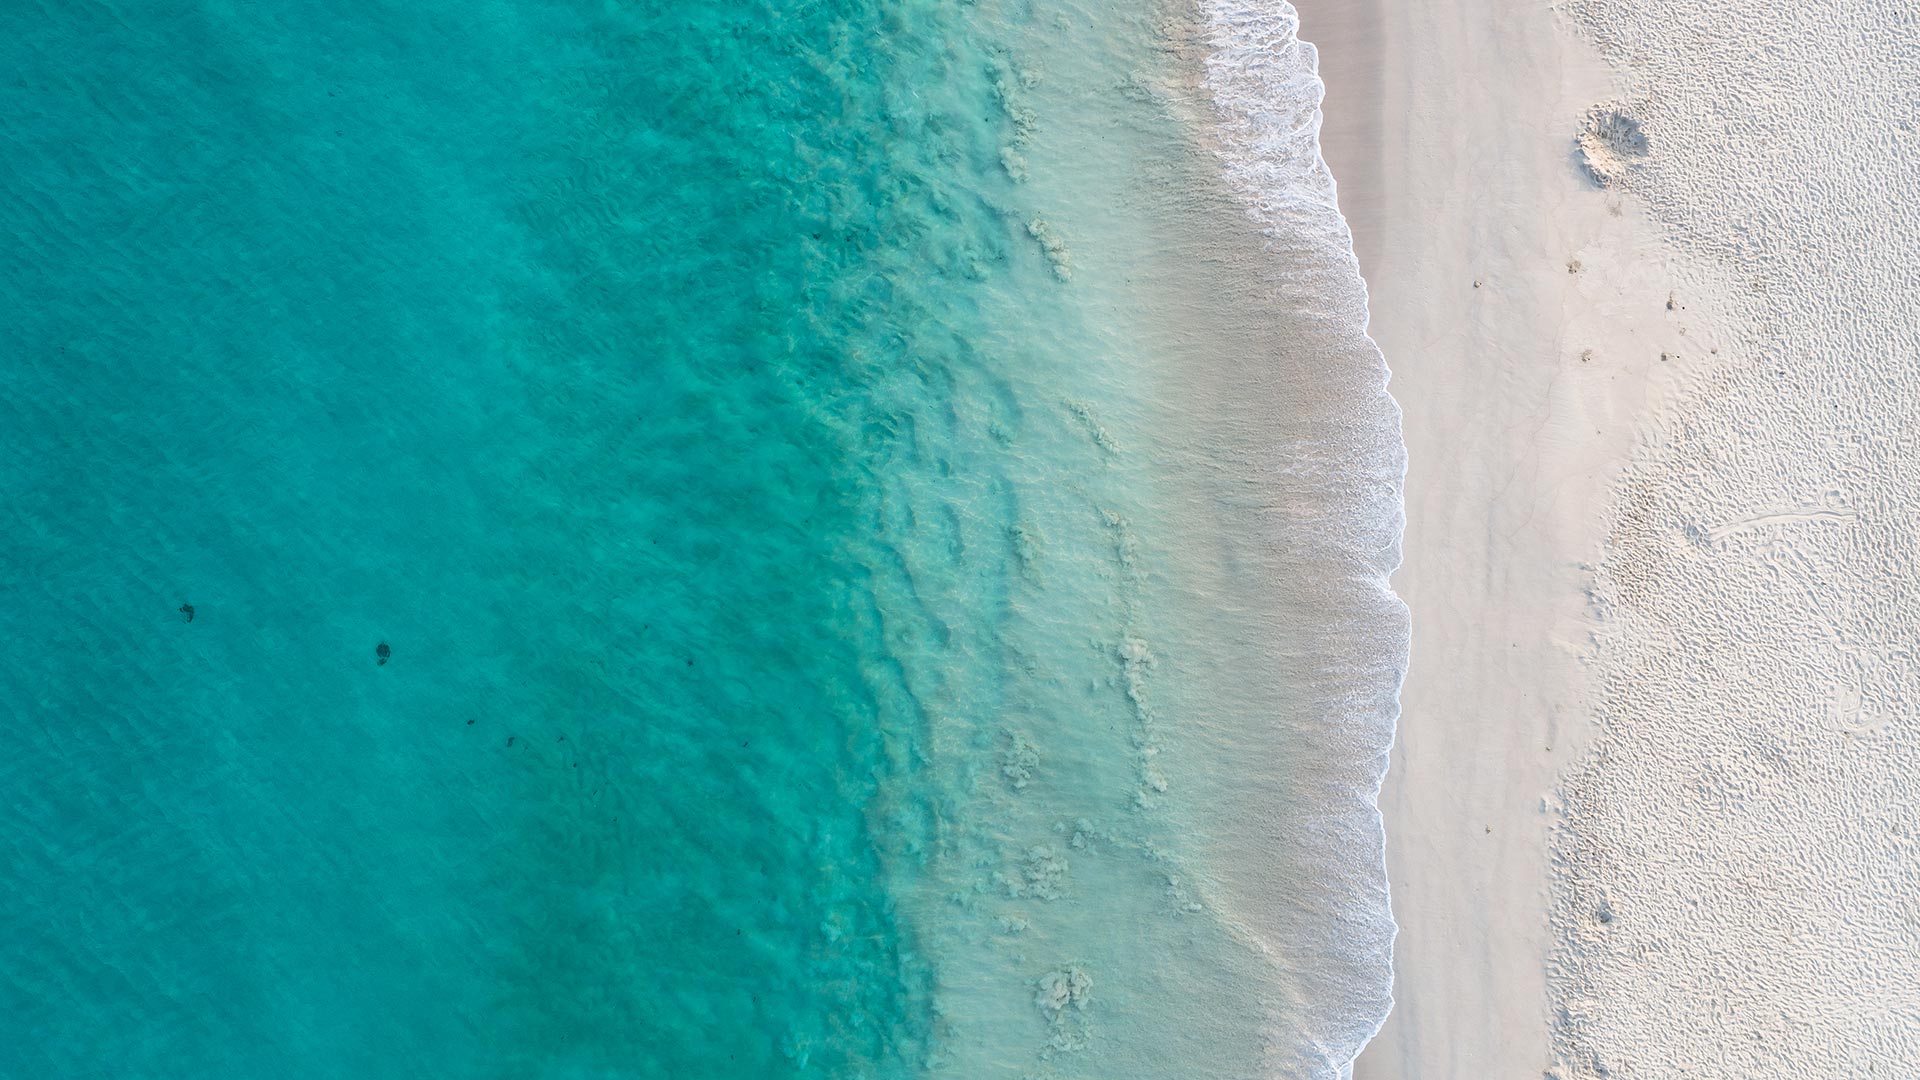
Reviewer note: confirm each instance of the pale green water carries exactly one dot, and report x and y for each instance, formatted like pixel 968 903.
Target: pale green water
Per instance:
pixel 755 431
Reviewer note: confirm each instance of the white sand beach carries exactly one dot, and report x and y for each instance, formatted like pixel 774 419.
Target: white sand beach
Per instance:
pixel 1651 810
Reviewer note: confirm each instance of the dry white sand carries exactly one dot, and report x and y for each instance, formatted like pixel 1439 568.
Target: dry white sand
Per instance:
pixel 1523 314
pixel 1737 891
pixel 1652 809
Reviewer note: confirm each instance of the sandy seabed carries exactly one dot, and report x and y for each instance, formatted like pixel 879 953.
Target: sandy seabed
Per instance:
pixel 1644 275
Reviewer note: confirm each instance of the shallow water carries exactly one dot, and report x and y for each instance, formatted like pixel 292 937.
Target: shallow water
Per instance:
pixel 772 441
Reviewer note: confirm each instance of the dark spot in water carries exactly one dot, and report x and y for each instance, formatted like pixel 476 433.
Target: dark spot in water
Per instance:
pixel 510 739
pixel 383 652
pixel 469 723
pixel 187 610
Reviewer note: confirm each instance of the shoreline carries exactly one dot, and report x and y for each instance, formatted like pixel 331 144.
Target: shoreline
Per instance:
pixel 1350 47
pixel 1228 818
pixel 1519 311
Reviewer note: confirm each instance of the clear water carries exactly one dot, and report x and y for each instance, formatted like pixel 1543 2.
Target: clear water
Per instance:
pixel 751 429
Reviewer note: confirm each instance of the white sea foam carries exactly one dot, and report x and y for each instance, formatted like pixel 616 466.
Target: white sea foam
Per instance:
pixel 1169 863
pixel 1335 475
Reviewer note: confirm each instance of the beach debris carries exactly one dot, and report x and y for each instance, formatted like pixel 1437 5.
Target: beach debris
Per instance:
pixel 1064 996
pixel 1014 164
pixel 1573 266
pixel 1054 248
pixel 1066 988
pixel 382 653
pixel 1019 760
pixel 1042 875
pixel 1611 144
pixel 187 610
pixel 1084 835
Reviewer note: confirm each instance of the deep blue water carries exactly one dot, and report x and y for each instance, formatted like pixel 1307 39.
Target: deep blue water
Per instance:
pixel 564 348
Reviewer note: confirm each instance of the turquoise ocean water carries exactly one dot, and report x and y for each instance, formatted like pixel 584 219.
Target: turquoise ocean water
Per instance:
pixel 736 420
